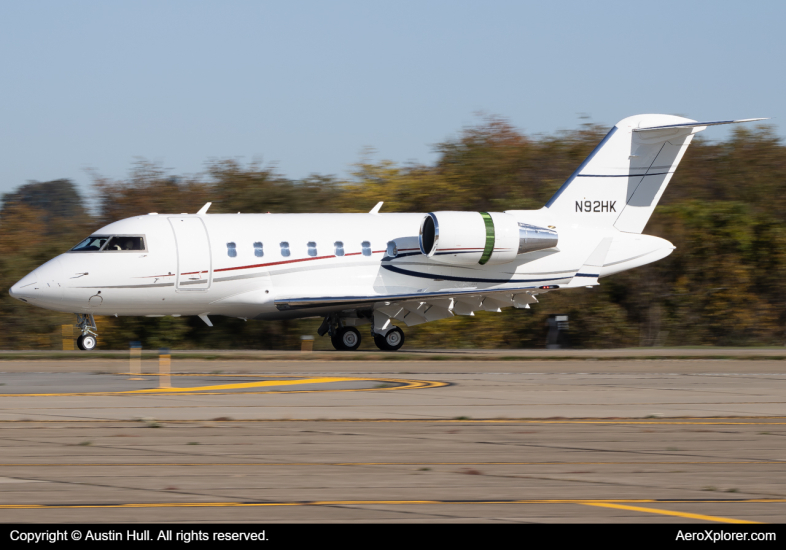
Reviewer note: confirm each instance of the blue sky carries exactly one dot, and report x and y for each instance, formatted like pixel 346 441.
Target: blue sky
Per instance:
pixel 308 85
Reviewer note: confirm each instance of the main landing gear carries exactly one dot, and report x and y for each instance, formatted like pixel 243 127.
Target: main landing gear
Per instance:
pixel 88 340
pixel 347 338
pixel 391 341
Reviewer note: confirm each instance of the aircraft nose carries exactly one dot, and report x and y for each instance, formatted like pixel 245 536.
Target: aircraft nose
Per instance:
pixel 40 285
pixel 25 287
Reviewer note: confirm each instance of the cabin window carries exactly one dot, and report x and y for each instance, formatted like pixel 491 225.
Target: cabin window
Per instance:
pixel 392 249
pixel 339 248
pixel 231 250
pixel 366 248
pixel 285 249
pixel 312 248
pixel 258 251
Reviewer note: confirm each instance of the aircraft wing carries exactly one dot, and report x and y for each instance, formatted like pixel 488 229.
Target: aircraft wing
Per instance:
pixel 421 307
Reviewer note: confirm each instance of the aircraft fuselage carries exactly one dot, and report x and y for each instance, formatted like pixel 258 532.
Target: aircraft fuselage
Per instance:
pixel 240 265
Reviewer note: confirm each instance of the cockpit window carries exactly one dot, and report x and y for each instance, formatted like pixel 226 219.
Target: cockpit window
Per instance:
pixel 124 243
pixel 111 243
pixel 91 244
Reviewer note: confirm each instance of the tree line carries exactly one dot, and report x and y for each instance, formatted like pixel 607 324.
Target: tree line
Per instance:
pixel 724 211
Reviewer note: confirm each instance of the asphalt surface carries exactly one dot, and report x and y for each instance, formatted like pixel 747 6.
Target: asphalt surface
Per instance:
pixel 596 439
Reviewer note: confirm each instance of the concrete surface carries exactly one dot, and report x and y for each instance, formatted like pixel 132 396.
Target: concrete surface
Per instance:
pixel 503 441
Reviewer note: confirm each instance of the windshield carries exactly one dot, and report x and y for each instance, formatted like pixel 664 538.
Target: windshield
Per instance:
pixel 125 243
pixel 111 243
pixel 91 244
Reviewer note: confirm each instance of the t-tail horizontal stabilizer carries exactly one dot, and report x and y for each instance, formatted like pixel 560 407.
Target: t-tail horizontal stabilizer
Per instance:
pixel 697 124
pixel 590 271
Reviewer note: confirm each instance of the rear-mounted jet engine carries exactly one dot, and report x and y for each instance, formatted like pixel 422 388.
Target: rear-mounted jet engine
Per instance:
pixel 485 238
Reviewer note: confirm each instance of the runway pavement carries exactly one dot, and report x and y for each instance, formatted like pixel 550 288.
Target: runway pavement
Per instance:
pixel 591 439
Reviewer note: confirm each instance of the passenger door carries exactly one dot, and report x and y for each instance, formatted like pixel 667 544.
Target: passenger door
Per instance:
pixel 194 265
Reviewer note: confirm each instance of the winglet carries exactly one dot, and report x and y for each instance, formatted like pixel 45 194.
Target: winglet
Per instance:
pixel 203 210
pixel 375 210
pixel 590 271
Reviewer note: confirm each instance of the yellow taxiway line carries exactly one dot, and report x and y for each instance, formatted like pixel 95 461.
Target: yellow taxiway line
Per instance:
pixel 667 512
pixel 238 386
pixel 222 389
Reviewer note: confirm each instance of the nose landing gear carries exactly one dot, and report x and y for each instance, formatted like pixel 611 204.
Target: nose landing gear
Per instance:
pixel 88 340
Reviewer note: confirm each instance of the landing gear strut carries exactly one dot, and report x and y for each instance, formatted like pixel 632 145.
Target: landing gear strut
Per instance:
pixel 89 338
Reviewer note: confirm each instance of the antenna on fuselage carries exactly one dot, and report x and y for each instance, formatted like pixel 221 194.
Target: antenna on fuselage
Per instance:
pixel 375 210
pixel 203 210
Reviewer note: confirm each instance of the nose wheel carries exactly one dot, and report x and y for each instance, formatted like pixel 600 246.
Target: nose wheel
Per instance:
pixel 86 342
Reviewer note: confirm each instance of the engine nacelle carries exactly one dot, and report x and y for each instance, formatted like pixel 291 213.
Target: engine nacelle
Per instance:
pixel 472 238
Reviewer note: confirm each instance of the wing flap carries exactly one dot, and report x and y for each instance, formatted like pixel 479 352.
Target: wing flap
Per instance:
pixel 441 298
pixel 435 313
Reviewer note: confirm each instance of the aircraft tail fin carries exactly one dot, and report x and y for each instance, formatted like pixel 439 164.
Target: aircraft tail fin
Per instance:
pixel 621 181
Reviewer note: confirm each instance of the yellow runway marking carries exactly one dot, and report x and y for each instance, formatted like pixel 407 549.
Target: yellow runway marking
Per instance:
pixel 237 386
pixel 667 512
pixel 405 384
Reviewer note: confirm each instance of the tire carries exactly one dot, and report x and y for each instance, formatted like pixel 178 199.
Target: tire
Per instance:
pixel 349 338
pixel 86 342
pixel 336 341
pixel 379 340
pixel 394 339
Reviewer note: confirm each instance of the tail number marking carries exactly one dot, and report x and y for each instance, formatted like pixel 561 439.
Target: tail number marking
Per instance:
pixel 595 206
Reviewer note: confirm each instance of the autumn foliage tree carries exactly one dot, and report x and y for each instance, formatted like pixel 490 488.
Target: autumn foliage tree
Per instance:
pixel 724 210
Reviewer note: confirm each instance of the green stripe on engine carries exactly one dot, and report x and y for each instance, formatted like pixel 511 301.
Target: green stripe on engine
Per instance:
pixel 489 248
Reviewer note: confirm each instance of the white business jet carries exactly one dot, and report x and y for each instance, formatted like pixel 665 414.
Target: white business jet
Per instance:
pixel 376 269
